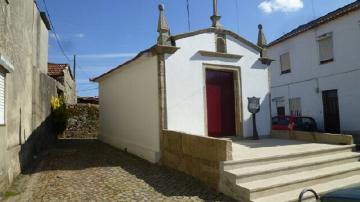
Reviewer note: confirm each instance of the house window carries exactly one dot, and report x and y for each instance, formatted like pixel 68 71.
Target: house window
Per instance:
pixel 280 111
pixel 326 48
pixel 295 106
pixel 2 98
pixel 285 63
pixel 280 107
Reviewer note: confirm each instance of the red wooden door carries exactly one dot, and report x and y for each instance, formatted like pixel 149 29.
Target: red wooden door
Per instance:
pixel 220 103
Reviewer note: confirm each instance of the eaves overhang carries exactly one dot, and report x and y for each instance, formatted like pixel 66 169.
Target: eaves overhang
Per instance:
pixel 218 31
pixel 6 64
pixel 155 50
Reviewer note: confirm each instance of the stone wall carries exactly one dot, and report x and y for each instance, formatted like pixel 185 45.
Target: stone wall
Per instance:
pixel 317 137
pixel 197 156
pixel 83 122
pixel 69 88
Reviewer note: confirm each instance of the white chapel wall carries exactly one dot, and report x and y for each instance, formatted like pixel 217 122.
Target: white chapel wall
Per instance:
pixel 129 108
pixel 185 84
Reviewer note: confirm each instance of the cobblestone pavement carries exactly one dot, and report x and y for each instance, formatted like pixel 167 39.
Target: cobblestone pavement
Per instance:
pixel 88 170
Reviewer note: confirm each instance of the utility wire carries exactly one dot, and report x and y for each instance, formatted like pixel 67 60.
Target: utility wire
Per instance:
pixel 81 69
pixel 55 33
pixel 313 9
pixel 188 13
pixel 57 39
pixel 237 16
pixel 80 84
pixel 85 90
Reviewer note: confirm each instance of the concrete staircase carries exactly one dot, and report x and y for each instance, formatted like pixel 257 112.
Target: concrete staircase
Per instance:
pixel 281 178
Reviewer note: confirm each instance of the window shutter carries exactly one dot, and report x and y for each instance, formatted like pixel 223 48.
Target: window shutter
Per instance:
pixel 285 63
pixel 326 49
pixel 2 98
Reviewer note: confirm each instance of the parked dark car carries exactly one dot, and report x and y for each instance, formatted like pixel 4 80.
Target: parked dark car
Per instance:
pixel 351 194
pixel 343 195
pixel 300 123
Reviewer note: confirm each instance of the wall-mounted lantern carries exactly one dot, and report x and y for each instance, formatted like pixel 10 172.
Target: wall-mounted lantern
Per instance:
pixel 254 107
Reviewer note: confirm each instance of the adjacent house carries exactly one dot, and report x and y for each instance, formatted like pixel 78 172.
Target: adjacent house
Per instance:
pixel 67 86
pixel 25 87
pixel 317 71
pixel 197 83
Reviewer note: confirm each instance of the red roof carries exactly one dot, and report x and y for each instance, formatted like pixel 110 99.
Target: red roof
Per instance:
pixel 56 69
pixel 322 20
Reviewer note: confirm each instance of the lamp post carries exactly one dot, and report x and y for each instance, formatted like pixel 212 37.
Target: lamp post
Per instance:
pixel 254 107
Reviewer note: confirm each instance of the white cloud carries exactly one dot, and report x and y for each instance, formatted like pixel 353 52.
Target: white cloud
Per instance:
pixel 269 6
pixel 79 35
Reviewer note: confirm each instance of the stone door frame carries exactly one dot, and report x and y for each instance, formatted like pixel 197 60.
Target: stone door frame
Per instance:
pixel 236 70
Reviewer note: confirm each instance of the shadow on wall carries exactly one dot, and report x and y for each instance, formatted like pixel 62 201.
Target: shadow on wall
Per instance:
pixel 76 155
pixel 259 65
pixel 39 140
pixel 199 57
pixel 262 117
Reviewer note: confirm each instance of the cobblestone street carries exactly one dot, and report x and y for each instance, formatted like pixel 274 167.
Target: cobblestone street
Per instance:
pixel 88 170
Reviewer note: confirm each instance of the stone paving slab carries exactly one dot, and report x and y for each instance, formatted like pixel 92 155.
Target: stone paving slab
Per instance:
pixel 270 147
pixel 88 170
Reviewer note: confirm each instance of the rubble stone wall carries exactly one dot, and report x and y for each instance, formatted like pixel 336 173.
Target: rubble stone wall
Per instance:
pixel 83 122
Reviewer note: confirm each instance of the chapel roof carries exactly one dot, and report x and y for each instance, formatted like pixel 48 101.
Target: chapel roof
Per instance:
pixel 182 36
pixel 169 42
pixel 217 31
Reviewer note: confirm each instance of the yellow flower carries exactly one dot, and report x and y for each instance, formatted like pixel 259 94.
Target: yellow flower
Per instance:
pixel 56 102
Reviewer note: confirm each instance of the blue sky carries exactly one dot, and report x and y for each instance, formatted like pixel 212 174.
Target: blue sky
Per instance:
pixel 106 33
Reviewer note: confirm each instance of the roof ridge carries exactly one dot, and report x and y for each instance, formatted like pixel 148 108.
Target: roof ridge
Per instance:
pixel 319 21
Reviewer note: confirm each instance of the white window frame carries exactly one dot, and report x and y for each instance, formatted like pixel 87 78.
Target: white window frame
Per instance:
pixel 3 73
pixel 322 37
pixel 288 70
pixel 5 68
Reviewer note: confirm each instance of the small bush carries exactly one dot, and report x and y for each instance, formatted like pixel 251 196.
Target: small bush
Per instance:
pixel 59 114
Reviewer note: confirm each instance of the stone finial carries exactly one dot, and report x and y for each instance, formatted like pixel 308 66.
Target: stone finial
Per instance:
pixel 163 28
pixel 261 37
pixel 263 44
pixel 215 18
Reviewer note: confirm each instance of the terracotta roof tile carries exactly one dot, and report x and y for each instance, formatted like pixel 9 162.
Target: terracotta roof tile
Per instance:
pixel 55 70
pixel 322 20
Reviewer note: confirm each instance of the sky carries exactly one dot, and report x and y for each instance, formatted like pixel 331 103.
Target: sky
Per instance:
pixel 106 33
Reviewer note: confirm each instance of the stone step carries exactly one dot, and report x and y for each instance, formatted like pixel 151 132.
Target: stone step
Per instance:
pixel 320 188
pixel 248 174
pixel 283 183
pixel 230 165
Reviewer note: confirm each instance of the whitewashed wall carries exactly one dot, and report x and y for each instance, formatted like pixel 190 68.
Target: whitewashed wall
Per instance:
pixel 129 108
pixel 185 83
pixel 307 74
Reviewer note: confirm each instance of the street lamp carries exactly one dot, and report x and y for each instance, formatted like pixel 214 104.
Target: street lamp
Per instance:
pixel 254 107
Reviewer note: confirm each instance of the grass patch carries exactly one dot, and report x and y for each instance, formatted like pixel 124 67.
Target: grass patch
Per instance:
pixel 10 194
